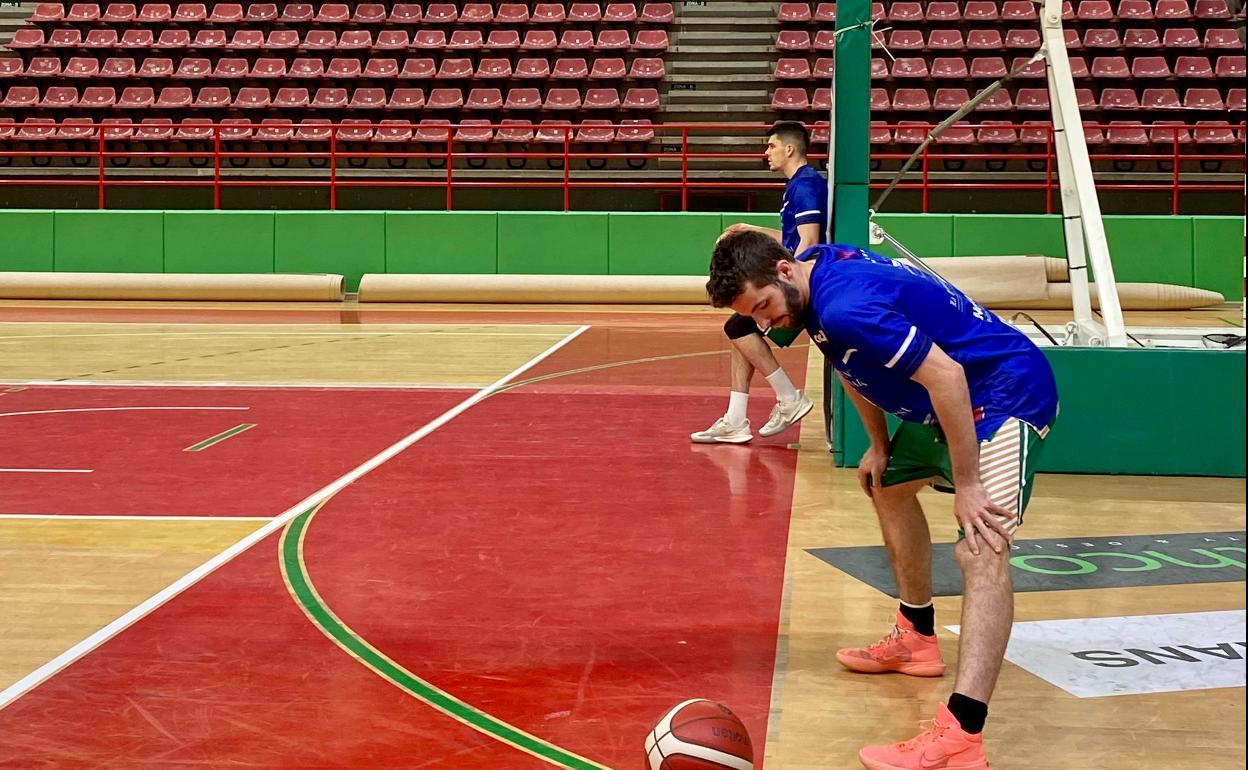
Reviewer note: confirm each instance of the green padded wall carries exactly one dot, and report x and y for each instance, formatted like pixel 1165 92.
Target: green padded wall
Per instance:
pixel 1218 254
pixel 27 240
pixel 219 242
pixel 349 243
pixel 1151 249
pixel 1139 411
pixel 660 244
pixel 441 242
pixel 553 243
pixel 1007 235
pixel 929 235
pixel 110 241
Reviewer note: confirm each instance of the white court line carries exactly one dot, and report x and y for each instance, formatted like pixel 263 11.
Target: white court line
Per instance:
pixel 39 675
pixel 236 384
pixel 45 470
pixel 328 333
pixel 133 409
pixel 119 517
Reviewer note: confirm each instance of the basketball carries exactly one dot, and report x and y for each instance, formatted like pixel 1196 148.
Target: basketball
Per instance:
pixel 699 735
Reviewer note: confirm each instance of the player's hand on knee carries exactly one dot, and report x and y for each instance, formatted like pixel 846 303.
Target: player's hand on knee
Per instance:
pixel 871 469
pixel 979 517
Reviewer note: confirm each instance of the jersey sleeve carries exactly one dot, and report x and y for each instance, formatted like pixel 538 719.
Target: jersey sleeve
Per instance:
pixel 874 328
pixel 810 202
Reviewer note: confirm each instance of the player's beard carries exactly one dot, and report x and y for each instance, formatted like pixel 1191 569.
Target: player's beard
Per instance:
pixel 793 305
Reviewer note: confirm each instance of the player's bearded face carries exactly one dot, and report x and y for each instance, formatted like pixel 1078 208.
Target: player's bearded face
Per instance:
pixel 795 308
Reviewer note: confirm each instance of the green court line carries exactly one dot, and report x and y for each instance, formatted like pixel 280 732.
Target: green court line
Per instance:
pixel 295 573
pixel 217 439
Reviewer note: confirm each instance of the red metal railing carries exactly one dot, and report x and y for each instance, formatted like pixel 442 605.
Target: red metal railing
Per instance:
pixel 111 144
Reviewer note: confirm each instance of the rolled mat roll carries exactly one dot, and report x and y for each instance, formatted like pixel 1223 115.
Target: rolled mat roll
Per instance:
pixel 1132 296
pixel 172 286
pixel 537 289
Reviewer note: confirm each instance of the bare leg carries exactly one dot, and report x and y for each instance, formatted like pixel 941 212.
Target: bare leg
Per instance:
pixel 907 539
pixel 987 617
pixel 749 353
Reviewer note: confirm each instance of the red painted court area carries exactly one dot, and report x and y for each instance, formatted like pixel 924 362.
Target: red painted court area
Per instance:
pixel 558 556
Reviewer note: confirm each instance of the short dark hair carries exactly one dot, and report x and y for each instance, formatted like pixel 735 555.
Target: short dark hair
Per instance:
pixel 792 132
pixel 741 258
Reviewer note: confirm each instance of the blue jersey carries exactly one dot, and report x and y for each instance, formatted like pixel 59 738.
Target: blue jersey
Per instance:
pixel 876 319
pixel 805 203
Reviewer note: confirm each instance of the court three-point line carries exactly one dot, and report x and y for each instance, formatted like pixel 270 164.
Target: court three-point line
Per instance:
pixel 222 436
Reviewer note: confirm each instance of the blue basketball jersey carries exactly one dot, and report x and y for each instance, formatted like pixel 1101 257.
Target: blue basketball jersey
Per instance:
pixel 805 203
pixel 876 319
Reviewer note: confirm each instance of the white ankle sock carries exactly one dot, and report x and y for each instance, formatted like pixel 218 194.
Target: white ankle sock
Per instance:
pixel 736 407
pixel 783 386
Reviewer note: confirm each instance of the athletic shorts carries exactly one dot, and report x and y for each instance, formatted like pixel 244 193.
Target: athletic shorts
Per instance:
pixel 1007 463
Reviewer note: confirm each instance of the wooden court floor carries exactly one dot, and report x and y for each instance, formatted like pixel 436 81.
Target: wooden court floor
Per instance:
pixel 336 536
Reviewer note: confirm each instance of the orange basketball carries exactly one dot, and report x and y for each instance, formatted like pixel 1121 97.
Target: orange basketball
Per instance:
pixel 699 735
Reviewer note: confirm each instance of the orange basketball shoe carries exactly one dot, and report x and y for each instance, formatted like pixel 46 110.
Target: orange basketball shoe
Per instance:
pixel 904 651
pixel 943 747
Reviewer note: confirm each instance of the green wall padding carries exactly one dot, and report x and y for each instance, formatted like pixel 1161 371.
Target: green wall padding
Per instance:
pixel 929 235
pixel 1007 235
pixel 441 242
pixel 553 243
pixel 349 243
pixel 27 241
pixel 658 244
pixel 110 241
pixel 1218 254
pixel 219 242
pixel 1150 249
pixel 1135 411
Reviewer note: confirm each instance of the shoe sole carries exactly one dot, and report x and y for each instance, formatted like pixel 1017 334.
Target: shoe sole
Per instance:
pixel 796 419
pixel 909 669
pixel 873 765
pixel 714 440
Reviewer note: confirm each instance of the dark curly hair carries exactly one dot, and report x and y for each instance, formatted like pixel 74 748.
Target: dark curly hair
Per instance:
pixel 741 258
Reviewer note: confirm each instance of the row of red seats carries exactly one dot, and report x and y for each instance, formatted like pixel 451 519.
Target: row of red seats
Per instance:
pixel 428 131
pixel 327 39
pixel 256 97
pixel 231 68
pixel 994 67
pixel 1012 10
pixel 364 13
pixel 1119 132
pixel 1037 99
pixel 1029 39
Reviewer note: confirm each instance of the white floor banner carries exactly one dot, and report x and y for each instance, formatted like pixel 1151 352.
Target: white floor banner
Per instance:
pixel 1095 657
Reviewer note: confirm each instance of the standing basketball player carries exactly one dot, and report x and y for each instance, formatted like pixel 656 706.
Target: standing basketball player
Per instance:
pixel 976 398
pixel 803 220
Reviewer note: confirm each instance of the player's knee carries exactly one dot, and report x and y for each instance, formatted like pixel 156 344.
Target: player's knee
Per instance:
pixel 986 561
pixel 738 326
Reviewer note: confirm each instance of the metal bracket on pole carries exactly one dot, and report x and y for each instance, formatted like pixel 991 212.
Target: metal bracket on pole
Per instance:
pixel 1081 209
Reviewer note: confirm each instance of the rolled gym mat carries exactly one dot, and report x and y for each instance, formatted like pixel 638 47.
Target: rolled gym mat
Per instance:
pixel 172 286
pixel 536 289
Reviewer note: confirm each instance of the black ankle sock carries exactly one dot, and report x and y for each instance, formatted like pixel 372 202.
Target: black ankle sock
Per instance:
pixel 923 618
pixel 969 712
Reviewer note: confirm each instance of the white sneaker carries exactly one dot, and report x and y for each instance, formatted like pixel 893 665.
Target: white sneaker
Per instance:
pixel 723 432
pixel 785 414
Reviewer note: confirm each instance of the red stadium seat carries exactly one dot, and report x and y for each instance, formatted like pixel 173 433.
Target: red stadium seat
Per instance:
pixel 1020 10
pixel 355 40
pixel 261 13
pixel 959 133
pixel 634 130
pixel 1119 99
pixel 789 99
pixel 1035 132
pixel 210 39
pixel 381 69
pixel 980 10
pixel 1213 132
pixel 943 11
pixel 252 98
pixel 1222 38
pixel 657 13
pixel 320 40
pixel 1167 132
pixel 78 66
pixel 230 68
pixel 298 13
pixel 549 13
pixel 154 130
pixel 271 130
pixel 1149 68
pixel 136 98
pixel 996 132
pixel 155 13
pixel 173 39
pixel 1093 135
pixel 98 98
pixel 445 99
pixel 1110 68
pixel 47 13
pixel 466 40
pixel 441 13
pixel 119 13
pixel 406 14
pixel 1181 37
pixel 354 131
pixel 40 66
pixel 825 40
pixel 1231 67
pixel 502 40
pixel 474 131
pixel 554 131
pixel 905 40
pixel 988 67
pixel 1141 38
pixel 11 66
pixel 117 129
pixel 75 129
pixel 602 99
pixel 335 14
pixel 905 12
pixel 59 97
pixel 455 69
pixel 595 132
pixel 613 40
pixel 532 69
pixel 1101 38
pixel 35 130
pixel 1203 99
pixel 1193 67
pixel 1135 10
pixel 1172 10
pixel 984 40
pixel 911 100
pixel 570 69
pixel 369 13
pixel 118 67
pixel 367 99
pixel 27 38
pixel 1079 67
pixel 326 98
pixel 174 98
pixel 83 13
pixel 825 67
pixel 418 69
pixel 406 99
pixel 1235 99
pixel 1028 39
pixel 1129 133
pixel 7 128
pixel 911 131
pixel 949 99
pixel 313 130
pixel 792 40
pixel 213 97
pixel 576 40
pixel 1071 37
pixel 392 40
pixel 512 13
pixel 1212 9
pixel 584 13
pixel 290 98
pixel 794 13
pixel 879 100
pixel 493 69
pixel 191 13
pixel 825 13
pixel 539 40
pixel 999 101
pixel 950 68
pixel 877 133
pixel 1085 99
pixel 608 69
pixel 909 68
pixel 345 68
pixel 1160 99
pixel 562 100
pixel 641 99
pixel 620 13
pixel 1094 10
pixel 137 38
pixel 226 13
pixel 483 99
pixel 790 69
pixel 394 131
pixel 246 40
pixel 822 100
pixel 156 67
pixel 72 38
pixel 307 67
pixel 945 40
pixel 519 99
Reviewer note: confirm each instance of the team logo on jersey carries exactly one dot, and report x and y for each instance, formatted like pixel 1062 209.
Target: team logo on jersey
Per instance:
pixel 820 337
